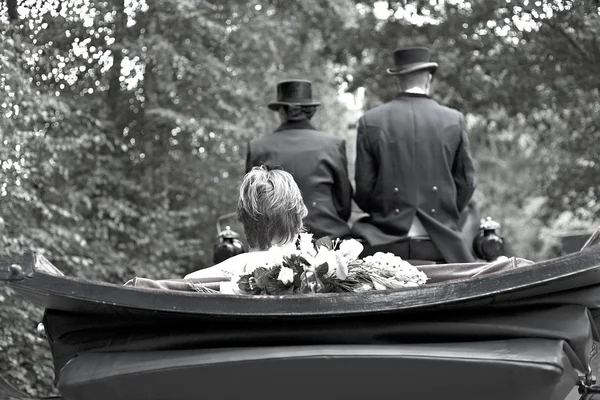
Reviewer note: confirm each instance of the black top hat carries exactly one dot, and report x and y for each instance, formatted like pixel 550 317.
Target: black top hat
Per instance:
pixel 410 59
pixel 294 92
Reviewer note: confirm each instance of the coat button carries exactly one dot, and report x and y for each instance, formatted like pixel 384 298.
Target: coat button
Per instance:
pixel 397 211
pixel 433 210
pixel 396 190
pixel 314 204
pixel 434 188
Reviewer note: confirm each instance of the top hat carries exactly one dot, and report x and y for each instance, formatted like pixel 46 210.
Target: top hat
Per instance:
pixel 411 59
pixel 296 92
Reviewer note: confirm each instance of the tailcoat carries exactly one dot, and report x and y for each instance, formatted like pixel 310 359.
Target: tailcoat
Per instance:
pixel 413 158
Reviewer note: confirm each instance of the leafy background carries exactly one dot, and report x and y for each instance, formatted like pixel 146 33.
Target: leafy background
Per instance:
pixel 124 123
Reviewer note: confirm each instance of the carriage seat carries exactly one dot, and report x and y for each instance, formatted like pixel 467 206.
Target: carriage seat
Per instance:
pixel 518 369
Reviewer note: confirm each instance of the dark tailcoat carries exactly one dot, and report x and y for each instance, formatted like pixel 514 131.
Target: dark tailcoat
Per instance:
pixel 412 157
pixel 319 165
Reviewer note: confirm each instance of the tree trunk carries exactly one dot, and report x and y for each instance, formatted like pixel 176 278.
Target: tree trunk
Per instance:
pixel 114 75
pixel 11 6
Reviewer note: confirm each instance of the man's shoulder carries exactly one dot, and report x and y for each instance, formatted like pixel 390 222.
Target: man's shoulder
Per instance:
pixel 449 110
pixel 378 110
pixel 328 137
pixel 313 135
pixel 263 139
pixel 396 111
pixel 258 139
pixel 390 105
pixel 324 139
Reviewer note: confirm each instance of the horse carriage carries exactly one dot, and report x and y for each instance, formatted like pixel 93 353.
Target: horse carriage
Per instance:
pixel 503 330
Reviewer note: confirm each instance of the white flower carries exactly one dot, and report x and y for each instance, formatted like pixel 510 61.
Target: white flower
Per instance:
pixel 321 256
pixel 335 262
pixel 351 249
pixel 306 245
pixel 393 271
pixel 286 275
pixel 326 256
pixel 409 274
pixel 341 267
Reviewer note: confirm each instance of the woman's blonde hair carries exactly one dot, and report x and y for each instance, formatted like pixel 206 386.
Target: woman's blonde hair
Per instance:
pixel 270 207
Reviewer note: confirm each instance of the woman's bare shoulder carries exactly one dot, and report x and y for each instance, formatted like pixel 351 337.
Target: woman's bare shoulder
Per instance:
pixel 225 269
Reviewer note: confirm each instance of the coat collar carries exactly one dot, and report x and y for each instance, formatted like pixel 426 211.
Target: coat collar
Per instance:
pixel 410 94
pixel 304 124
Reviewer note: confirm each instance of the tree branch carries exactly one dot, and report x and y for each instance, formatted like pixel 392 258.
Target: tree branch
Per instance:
pixel 570 39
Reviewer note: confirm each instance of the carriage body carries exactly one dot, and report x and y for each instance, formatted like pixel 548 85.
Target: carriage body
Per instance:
pixel 523 332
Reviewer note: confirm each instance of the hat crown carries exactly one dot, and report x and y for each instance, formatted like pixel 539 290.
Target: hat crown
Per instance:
pixel 406 57
pixel 294 91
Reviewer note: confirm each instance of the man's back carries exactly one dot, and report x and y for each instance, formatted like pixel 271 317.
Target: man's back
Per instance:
pixel 413 160
pixel 319 166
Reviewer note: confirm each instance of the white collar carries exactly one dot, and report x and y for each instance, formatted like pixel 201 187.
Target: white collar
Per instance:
pixel 415 90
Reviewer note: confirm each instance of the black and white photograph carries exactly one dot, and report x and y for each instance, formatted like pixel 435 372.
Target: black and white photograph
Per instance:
pixel 299 199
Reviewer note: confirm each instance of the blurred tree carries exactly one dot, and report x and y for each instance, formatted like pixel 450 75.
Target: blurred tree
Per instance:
pixel 525 71
pixel 11 10
pixel 123 133
pixel 124 123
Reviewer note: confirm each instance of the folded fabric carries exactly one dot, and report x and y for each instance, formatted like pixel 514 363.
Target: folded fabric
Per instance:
pixel 435 272
pixel 450 272
pixel 594 240
pixel 205 285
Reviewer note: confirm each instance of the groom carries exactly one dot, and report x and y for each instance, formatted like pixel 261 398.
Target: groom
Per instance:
pixel 414 172
pixel 316 160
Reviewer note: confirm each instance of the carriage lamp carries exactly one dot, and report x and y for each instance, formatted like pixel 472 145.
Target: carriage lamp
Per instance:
pixel 488 245
pixel 229 245
pixel 41 331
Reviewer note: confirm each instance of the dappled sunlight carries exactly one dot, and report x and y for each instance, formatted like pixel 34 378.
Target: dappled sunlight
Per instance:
pixel 124 125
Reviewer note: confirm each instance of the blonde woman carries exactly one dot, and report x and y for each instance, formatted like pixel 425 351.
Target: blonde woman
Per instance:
pixel 271 210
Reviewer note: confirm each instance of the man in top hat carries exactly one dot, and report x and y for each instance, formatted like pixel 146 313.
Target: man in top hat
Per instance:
pixel 316 160
pixel 414 171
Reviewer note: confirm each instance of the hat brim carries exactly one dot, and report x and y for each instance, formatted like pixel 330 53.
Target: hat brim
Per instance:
pixel 431 66
pixel 275 105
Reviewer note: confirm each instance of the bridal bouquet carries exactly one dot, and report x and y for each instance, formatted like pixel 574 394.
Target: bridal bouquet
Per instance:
pixel 324 267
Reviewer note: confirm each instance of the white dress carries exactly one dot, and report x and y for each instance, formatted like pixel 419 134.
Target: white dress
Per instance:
pixel 241 264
